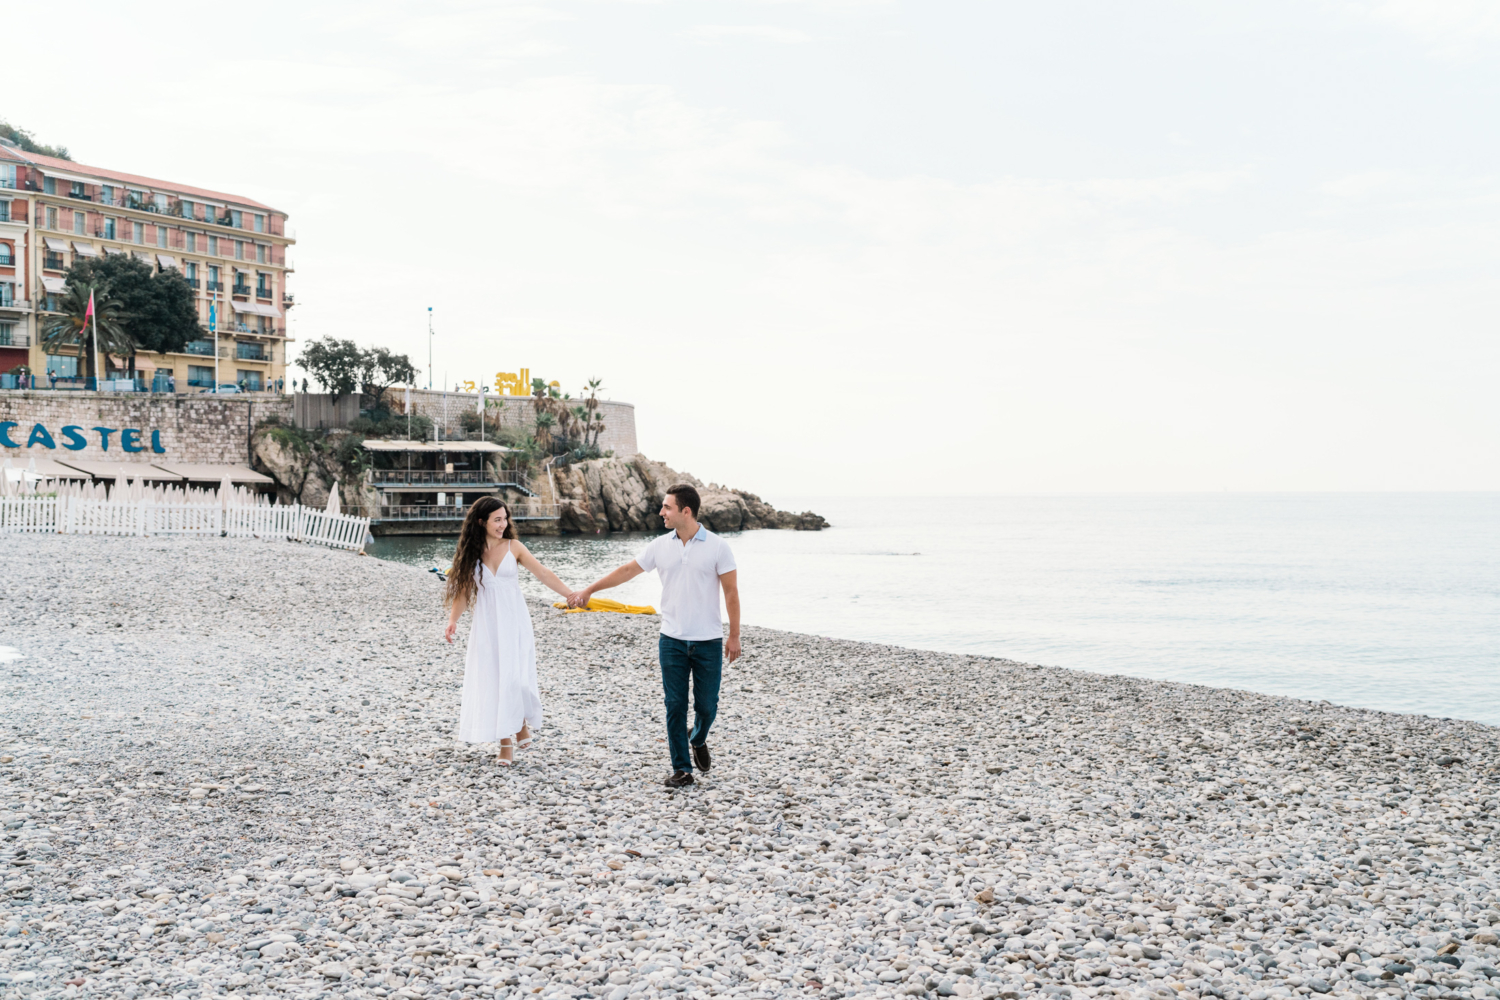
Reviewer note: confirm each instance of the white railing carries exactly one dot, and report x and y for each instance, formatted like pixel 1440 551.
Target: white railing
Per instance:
pixel 28 514
pixel 87 516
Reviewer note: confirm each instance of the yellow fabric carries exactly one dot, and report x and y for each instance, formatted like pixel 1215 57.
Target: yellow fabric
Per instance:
pixel 605 604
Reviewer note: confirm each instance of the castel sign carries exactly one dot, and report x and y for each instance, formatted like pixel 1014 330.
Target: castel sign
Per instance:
pixel 74 438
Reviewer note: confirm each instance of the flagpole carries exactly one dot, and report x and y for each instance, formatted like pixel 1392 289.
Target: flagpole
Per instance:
pixel 94 315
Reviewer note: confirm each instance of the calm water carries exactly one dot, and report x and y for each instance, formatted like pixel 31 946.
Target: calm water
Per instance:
pixel 1388 601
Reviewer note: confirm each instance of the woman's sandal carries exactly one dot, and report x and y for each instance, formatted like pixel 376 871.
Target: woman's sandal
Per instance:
pixel 525 744
pixel 504 746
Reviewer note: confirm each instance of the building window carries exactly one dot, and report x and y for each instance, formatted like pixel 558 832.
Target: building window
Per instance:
pixel 213 246
pixel 185 208
pixel 260 223
pixel 250 380
pixel 7 175
pixel 75 189
pixel 78 221
pixel 49 185
pixel 51 218
pixel 7 255
pixel 106 195
pixel 62 365
pixel 7 294
pixel 49 303
pixel 52 260
pixel 138 232
pixel 192 243
pixel 200 375
pixel 4 211
pixel 7 331
pixel 161 237
pixel 237 218
pixel 109 229
pixel 260 254
pixel 239 250
pixel 213 279
pixel 192 271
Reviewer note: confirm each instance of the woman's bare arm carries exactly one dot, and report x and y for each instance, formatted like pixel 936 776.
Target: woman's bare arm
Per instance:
pixel 453 616
pixel 542 573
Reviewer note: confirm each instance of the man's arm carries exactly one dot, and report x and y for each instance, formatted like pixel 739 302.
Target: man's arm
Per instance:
pixel 629 571
pixel 731 584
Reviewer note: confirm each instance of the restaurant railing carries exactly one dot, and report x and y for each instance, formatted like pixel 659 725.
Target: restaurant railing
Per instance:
pixel 435 477
pixel 450 512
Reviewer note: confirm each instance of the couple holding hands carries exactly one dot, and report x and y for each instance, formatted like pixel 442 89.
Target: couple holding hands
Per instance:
pixel 501 701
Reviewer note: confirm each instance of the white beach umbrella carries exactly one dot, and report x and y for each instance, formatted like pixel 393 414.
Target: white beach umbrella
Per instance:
pixel 333 498
pixel 117 491
pixel 226 492
pixel 31 465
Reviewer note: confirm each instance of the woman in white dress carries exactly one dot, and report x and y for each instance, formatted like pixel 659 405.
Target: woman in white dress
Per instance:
pixel 501 701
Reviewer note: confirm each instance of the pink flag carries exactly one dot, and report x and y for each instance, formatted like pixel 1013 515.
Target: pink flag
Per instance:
pixel 91 306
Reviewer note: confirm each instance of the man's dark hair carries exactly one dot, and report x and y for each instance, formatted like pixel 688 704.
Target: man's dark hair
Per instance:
pixel 687 497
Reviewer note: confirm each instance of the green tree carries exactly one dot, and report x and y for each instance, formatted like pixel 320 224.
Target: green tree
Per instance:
pixel 337 365
pixel 157 311
pixel 382 369
pixel 74 328
pixel 24 139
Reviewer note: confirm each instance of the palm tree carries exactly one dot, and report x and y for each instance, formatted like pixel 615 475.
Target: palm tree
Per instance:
pixel 544 424
pixel 74 329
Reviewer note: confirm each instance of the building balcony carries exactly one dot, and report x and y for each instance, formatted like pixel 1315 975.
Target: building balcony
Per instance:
pixel 53 262
pixel 192 282
pixel 251 352
pixel 213 286
pixel 204 347
pixel 240 290
pixel 13 304
pixel 264 293
pixel 7 259
pixel 11 337
pixel 80 197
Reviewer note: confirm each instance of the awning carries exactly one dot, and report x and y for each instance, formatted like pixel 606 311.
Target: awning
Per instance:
pixel 44 466
pixel 257 309
pixel 131 470
pixel 53 243
pixel 434 446
pixel 215 473
pixel 53 285
pixel 84 249
pixel 70 177
pixel 166 260
pixel 141 255
pixel 141 364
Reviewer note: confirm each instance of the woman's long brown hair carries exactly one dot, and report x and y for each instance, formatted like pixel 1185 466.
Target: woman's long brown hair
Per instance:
pixel 471 542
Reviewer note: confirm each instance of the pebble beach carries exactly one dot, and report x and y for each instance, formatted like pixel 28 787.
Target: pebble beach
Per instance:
pixel 227 767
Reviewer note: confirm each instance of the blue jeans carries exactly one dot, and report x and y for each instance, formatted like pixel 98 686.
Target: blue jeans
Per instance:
pixel 701 660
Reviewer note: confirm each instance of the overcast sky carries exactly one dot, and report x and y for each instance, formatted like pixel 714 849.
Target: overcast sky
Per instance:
pixel 871 247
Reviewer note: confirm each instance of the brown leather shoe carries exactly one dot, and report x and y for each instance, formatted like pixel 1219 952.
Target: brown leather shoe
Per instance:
pixel 701 759
pixel 679 778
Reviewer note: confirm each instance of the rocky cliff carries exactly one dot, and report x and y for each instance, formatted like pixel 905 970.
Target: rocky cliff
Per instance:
pixel 624 494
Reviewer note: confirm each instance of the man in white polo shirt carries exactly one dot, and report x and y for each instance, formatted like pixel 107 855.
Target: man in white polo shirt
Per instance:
pixel 693 564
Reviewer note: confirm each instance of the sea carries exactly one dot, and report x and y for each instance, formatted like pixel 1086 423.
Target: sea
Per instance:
pixel 1376 600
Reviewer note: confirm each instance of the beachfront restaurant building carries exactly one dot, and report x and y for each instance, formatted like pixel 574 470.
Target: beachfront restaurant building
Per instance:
pixel 426 487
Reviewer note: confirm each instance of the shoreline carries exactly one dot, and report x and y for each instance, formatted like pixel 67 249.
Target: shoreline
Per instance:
pixel 261 728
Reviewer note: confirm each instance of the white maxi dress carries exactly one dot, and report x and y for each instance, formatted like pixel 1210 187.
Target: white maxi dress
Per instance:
pixel 500 690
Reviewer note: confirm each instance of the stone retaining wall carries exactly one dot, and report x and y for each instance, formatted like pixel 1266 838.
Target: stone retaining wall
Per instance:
pixel 519 412
pixel 188 428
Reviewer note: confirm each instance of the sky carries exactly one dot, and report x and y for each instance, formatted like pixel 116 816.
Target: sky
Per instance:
pixel 871 247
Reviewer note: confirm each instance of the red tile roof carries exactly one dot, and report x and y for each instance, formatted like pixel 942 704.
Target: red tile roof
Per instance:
pixel 68 166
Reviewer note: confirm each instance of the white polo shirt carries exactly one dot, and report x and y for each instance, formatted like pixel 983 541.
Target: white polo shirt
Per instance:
pixel 689 582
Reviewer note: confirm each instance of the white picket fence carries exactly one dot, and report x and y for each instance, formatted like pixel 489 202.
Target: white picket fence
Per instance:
pixel 89 516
